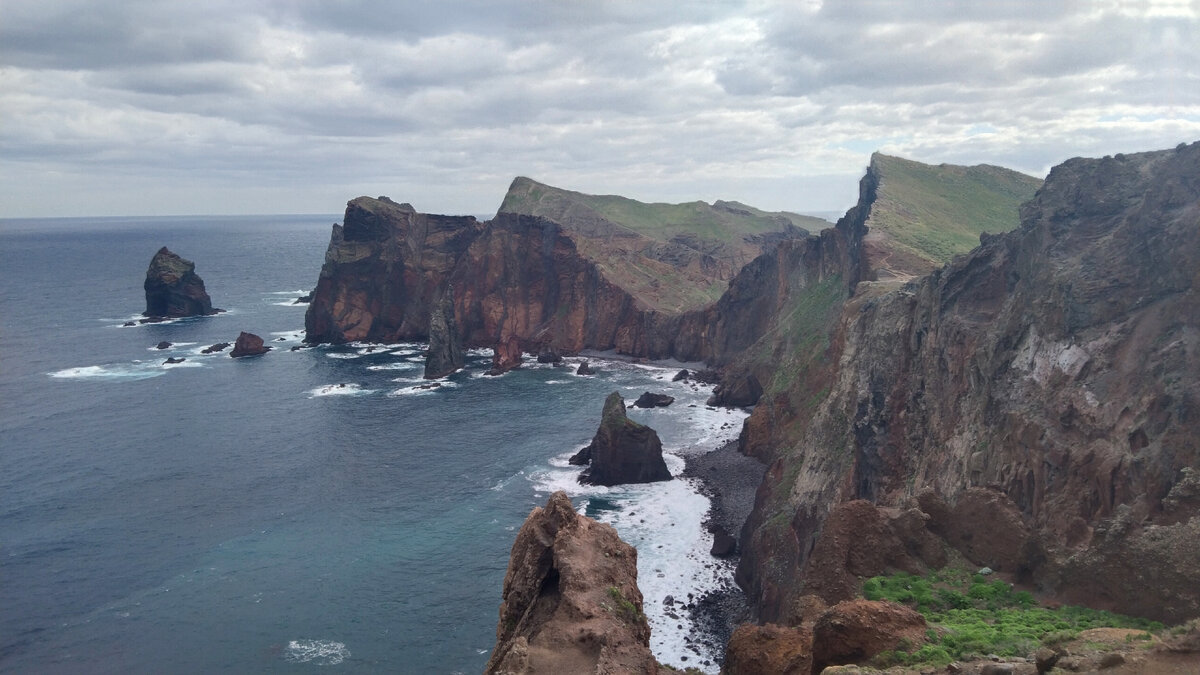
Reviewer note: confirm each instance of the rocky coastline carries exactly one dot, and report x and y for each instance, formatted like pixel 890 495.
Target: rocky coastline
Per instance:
pixel 729 479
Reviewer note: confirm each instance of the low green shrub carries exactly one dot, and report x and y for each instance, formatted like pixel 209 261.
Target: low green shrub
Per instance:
pixel 971 616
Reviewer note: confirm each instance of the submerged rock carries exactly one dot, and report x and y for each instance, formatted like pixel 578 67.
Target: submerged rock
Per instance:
pixel 571 603
pixel 173 289
pixel 248 344
pixel 622 451
pixel 446 354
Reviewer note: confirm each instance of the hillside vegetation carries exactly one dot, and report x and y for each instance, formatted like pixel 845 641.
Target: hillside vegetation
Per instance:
pixel 924 215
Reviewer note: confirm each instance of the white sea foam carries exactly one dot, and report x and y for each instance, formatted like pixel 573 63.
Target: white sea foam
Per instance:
pixel 316 652
pixel 340 389
pixel 290 303
pixel 296 293
pixel 342 355
pixel 290 335
pixel 396 365
pixel 134 371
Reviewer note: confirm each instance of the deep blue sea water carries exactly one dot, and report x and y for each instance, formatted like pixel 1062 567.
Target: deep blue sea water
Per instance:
pixel 304 511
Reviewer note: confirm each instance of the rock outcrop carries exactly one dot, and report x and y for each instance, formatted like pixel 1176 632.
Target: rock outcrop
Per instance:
pixel 173 289
pixel 1033 405
pixel 622 451
pixel 856 630
pixel 652 400
pixel 446 354
pixel 506 355
pixel 571 603
pixel 248 344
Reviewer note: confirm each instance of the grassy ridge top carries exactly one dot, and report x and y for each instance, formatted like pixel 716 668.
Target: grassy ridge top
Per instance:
pixel 938 212
pixel 726 222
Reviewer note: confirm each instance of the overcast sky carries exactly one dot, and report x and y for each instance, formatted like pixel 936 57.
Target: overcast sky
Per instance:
pixel 155 107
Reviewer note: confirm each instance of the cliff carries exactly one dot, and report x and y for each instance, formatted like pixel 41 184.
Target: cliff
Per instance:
pixel 642 280
pixel 1032 405
pixel 571 603
pixel 173 289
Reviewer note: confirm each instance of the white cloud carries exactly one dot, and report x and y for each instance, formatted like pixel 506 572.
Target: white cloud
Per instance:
pixel 170 107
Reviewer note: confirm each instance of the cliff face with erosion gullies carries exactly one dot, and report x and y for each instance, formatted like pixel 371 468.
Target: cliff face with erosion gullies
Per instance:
pixel 554 269
pixel 1032 406
pixel 571 603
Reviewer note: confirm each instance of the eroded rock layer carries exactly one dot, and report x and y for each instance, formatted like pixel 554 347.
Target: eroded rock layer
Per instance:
pixel 571 603
pixel 1035 405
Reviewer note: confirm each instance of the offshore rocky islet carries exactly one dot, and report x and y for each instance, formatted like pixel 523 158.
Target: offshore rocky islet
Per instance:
pixel 1030 406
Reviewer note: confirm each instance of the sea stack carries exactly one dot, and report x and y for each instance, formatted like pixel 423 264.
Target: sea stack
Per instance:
pixel 446 354
pixel 173 289
pixel 571 602
pixel 622 451
pixel 248 344
pixel 506 355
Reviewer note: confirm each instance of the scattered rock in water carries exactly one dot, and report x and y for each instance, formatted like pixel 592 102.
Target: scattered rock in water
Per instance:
pixel 622 451
pixel 173 289
pixel 585 369
pixel 128 324
pixel 296 348
pixel 280 339
pixel 248 344
pixel 213 349
pixel 303 300
pixel 649 400
pixel 163 345
pixel 172 359
pixel 681 376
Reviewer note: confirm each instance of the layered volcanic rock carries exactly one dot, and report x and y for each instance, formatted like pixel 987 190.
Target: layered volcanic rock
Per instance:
pixel 248 344
pixel 173 288
pixel 571 603
pixel 446 354
pixel 1034 404
pixel 555 270
pixel 622 451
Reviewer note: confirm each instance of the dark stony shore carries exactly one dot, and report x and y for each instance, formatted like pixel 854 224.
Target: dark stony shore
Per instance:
pixel 730 480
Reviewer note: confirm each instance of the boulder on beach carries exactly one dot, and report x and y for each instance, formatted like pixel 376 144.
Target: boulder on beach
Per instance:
pixel 622 451
pixel 248 344
pixel 173 289
pixel 506 355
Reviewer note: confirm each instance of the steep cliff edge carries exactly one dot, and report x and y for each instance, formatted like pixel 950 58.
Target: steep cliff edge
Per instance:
pixel 1034 404
pixel 643 281
pixel 571 603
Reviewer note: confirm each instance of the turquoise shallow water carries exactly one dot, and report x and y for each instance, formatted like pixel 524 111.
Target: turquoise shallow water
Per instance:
pixel 300 511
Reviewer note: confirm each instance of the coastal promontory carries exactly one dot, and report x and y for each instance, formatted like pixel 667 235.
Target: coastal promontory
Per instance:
pixel 173 289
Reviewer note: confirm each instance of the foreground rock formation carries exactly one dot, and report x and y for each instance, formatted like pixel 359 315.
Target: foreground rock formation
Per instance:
pixel 571 602
pixel 1033 405
pixel 622 451
pixel 173 289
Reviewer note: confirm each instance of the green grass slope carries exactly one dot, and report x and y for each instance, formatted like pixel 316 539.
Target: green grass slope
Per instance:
pixel 727 222
pixel 924 215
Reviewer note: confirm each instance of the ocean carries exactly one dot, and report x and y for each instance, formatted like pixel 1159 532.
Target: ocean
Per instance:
pixel 302 511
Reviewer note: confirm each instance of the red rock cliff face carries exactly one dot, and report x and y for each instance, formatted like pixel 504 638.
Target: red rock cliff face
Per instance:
pixel 514 277
pixel 1035 404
